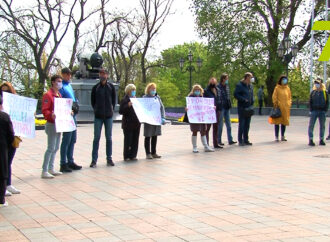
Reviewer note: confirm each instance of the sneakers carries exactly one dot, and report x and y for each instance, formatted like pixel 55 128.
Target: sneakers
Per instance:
pixel 155 156
pixel 93 164
pixel 276 139
pixel 283 138
pixel 134 159
pixel 149 156
pixel 232 142
pixel 74 166
pixel 55 173
pixel 13 190
pixel 322 142
pixel 8 193
pixel 247 143
pixel 311 143
pixel 65 168
pixel 110 163
pixel 218 147
pixel 46 175
pixel 4 204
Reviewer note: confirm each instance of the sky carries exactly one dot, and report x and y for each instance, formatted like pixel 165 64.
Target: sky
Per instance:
pixel 179 28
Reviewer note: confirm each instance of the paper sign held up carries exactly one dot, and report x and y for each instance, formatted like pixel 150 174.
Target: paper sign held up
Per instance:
pixel 201 110
pixel 64 121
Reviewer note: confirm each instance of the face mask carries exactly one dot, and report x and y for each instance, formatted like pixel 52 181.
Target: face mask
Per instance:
pixel 252 79
pixel 153 92
pixel 212 85
pixel 133 93
pixel 59 85
pixel 102 78
pixel 227 82
pixel 197 93
pixel 284 81
pixel 317 86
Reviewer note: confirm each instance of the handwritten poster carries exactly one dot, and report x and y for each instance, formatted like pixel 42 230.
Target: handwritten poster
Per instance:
pixel 147 110
pixel 21 111
pixel 64 121
pixel 201 110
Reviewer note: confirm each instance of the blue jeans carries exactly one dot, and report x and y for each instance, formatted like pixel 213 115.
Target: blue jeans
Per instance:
pixel 53 140
pixel 67 145
pixel 224 114
pixel 98 123
pixel 321 116
pixel 243 127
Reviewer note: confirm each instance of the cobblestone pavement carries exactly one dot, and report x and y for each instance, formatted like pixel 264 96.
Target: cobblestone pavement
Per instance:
pixel 267 192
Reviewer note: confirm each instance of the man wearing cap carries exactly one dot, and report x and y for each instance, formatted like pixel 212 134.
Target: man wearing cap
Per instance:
pixel 318 104
pixel 103 100
pixel 69 138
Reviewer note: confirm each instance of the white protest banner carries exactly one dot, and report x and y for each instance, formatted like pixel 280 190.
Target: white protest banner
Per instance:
pixel 147 110
pixel 201 110
pixel 64 121
pixel 21 111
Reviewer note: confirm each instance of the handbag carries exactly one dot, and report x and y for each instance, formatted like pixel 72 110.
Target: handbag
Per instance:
pixel 248 112
pixel 16 141
pixel 275 113
pixel 185 118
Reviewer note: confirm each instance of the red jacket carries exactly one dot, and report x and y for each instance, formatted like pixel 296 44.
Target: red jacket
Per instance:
pixel 48 104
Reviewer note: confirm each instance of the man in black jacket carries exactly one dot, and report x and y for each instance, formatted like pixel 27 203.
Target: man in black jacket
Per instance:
pixel 318 104
pixel 244 95
pixel 6 139
pixel 103 100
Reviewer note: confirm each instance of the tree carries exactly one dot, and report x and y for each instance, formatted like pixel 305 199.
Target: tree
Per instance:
pixel 249 32
pixel 42 27
pixel 154 14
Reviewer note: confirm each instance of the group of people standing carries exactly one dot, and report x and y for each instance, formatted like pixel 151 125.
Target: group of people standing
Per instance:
pixel 103 101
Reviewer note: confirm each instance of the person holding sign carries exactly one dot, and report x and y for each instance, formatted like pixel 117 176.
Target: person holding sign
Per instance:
pixel 6 139
pixel 152 131
pixel 53 138
pixel 7 87
pixel 244 95
pixel 68 138
pixel 130 124
pixel 197 91
pixel 103 100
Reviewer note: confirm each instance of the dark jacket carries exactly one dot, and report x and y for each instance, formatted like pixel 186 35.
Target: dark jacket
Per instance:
pixel 225 101
pixel 209 94
pixel 244 95
pixel 6 139
pixel 103 100
pixel 318 101
pixel 129 121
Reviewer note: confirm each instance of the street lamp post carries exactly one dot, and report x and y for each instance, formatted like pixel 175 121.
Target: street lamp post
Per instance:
pixel 190 67
pixel 286 51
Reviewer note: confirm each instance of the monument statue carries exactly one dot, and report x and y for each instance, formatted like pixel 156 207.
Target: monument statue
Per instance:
pixel 85 78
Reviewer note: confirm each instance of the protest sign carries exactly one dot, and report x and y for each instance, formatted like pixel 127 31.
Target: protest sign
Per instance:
pixel 64 121
pixel 147 110
pixel 21 111
pixel 201 110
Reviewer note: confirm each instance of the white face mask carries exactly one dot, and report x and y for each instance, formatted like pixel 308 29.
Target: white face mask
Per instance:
pixel 252 80
pixel 317 86
pixel 59 85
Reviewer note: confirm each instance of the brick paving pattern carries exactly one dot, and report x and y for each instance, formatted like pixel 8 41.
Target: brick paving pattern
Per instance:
pixel 267 192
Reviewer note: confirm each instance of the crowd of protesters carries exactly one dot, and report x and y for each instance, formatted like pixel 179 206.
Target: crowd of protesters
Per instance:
pixel 103 100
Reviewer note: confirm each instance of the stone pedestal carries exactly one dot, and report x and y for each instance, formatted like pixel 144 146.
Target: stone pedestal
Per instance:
pixel 83 89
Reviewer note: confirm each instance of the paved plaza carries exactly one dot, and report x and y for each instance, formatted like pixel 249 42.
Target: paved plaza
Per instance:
pixel 268 192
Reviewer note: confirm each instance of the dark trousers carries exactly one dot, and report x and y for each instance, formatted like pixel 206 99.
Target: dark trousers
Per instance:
pixel 243 128
pixel 260 105
pixel 153 144
pixel 11 154
pixel 131 143
pixel 3 186
pixel 277 129
pixel 215 131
